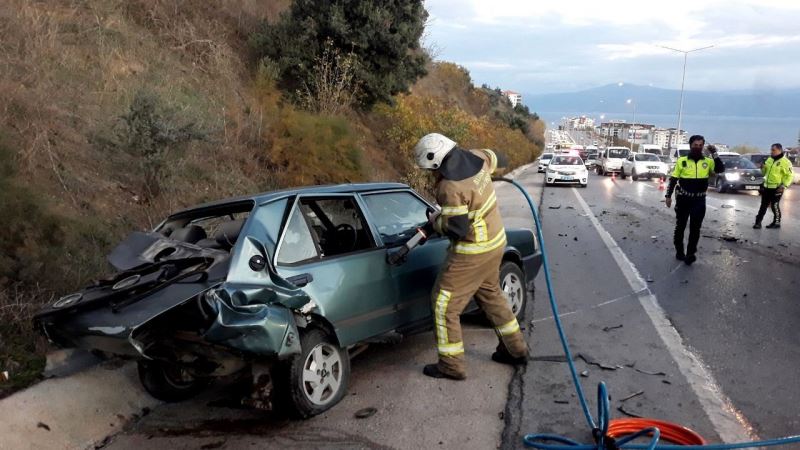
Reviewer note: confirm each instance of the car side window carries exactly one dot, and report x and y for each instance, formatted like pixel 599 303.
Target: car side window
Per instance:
pixel 396 215
pixel 337 225
pixel 297 244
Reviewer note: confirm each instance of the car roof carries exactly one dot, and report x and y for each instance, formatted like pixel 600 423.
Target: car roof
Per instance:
pixel 729 154
pixel 321 189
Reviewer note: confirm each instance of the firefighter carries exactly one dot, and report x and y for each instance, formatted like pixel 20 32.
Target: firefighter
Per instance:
pixel 689 180
pixel 471 220
pixel 778 177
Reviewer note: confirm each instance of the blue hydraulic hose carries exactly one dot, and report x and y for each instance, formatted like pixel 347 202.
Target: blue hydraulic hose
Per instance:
pixel 600 428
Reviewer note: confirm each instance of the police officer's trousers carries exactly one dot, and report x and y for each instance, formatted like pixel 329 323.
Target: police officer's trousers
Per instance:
pixel 770 198
pixel 692 210
pixel 462 277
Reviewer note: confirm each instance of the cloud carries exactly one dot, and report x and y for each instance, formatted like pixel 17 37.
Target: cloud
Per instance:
pixel 741 41
pixel 551 46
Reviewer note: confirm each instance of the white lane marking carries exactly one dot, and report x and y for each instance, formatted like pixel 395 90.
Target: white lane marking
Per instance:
pixel 729 424
pixel 599 305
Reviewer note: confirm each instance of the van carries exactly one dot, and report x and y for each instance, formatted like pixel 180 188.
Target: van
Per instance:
pixel 611 161
pixel 651 148
pixel 675 153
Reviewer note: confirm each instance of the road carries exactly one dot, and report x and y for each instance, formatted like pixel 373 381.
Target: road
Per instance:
pixel 736 309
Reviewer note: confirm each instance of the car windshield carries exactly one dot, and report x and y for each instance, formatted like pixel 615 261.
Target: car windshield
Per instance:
pixel 566 161
pixel 646 157
pixel 664 159
pixel 593 155
pixel 734 162
pixel 683 152
pixel 547 156
pixel 617 153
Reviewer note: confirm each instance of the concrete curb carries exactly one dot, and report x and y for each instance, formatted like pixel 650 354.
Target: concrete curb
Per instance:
pixel 76 412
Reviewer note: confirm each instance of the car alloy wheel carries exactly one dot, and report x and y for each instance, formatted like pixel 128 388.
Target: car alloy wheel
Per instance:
pixel 512 283
pixel 322 374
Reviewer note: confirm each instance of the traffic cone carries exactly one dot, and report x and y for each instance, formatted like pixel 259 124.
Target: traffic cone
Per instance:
pixel 661 184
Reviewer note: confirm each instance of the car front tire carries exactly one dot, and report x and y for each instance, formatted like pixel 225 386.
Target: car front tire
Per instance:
pixel 721 186
pixel 634 175
pixel 512 283
pixel 622 173
pixel 169 383
pixel 315 380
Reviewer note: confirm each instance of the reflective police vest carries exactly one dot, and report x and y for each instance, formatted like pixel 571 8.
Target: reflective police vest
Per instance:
pixel 693 175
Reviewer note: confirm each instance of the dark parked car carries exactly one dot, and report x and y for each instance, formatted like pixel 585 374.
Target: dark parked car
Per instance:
pixel 282 286
pixel 740 174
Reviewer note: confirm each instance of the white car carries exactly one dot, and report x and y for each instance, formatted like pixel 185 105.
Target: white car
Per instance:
pixel 544 160
pixel 611 161
pixel 566 169
pixel 643 165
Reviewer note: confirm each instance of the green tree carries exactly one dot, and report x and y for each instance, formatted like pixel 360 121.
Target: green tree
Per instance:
pixel 383 36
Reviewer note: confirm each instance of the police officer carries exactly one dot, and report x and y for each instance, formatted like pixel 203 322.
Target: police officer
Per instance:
pixel 471 219
pixel 689 180
pixel 778 177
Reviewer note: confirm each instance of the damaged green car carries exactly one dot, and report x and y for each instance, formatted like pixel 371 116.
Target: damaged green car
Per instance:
pixel 284 286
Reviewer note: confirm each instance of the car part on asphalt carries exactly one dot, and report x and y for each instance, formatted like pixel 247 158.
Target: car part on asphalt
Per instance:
pixel 615 433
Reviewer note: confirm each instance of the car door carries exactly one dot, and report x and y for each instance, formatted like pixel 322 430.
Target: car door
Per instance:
pixel 395 216
pixel 328 249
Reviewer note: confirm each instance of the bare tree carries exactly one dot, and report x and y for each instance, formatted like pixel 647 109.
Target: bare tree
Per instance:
pixel 333 87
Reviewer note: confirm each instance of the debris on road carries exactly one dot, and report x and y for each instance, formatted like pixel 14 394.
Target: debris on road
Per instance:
pixel 615 327
pixel 635 394
pixel 575 238
pixel 364 413
pixel 729 238
pixel 561 402
pixel 592 362
pixel 585 374
pixel 43 426
pixel 649 278
pixel 570 207
pixel 555 207
pixel 628 413
pixel 647 372
pixel 726 206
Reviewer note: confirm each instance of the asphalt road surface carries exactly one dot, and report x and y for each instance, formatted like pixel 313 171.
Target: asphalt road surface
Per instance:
pixel 737 308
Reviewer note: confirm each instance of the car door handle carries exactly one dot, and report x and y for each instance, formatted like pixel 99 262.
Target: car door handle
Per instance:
pixel 301 280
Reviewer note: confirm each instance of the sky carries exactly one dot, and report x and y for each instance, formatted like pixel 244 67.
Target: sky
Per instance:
pixel 547 46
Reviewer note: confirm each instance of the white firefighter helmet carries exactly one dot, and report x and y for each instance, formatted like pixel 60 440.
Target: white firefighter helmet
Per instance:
pixel 431 150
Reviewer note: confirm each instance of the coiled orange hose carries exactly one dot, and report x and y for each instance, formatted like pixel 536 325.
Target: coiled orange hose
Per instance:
pixel 671 432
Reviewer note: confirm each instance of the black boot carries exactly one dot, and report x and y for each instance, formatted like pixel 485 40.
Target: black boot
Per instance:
pixel 432 370
pixel 774 225
pixel 505 358
pixel 757 226
pixel 680 256
pixel 690 258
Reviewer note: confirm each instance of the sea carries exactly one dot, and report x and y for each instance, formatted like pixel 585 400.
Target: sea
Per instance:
pixel 759 132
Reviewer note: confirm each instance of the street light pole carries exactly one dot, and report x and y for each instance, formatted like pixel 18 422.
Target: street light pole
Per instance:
pixel 683 81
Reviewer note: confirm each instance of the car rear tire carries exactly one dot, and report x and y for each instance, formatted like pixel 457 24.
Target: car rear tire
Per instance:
pixel 315 380
pixel 634 175
pixel 622 173
pixel 169 383
pixel 512 283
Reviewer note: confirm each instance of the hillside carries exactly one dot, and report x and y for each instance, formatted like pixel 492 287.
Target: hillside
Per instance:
pixel 116 112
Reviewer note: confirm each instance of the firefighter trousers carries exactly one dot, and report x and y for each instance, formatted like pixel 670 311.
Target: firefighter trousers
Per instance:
pixel 462 277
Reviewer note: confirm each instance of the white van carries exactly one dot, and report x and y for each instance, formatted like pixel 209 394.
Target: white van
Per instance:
pixel 611 161
pixel 675 153
pixel 651 148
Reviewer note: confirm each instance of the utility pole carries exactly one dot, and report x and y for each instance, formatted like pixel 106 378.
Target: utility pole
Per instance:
pixel 633 125
pixel 683 81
